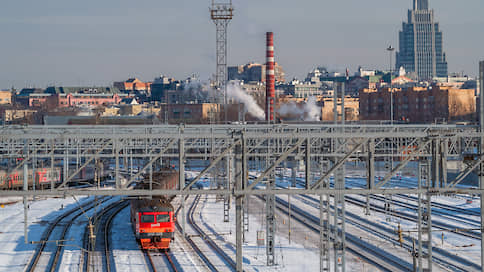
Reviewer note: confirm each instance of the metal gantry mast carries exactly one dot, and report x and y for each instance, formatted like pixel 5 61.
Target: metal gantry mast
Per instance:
pixel 239 181
pixel 324 225
pixel 221 14
pixel 424 220
pixel 481 151
pixel 370 170
pixel 270 206
pixel 339 230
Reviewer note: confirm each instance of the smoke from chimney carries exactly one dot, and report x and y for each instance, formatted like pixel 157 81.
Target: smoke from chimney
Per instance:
pixel 308 111
pixel 236 93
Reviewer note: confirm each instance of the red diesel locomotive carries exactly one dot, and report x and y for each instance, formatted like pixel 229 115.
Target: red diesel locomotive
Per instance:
pixel 153 220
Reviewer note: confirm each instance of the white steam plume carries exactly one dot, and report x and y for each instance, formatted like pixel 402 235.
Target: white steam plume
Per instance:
pixel 234 92
pixel 307 112
pixel 313 112
pixel 198 90
pixel 291 109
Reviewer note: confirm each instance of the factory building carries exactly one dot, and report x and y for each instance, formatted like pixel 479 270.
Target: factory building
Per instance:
pixel 351 106
pixel 204 113
pixel 254 72
pixel 133 84
pixel 299 89
pixel 5 98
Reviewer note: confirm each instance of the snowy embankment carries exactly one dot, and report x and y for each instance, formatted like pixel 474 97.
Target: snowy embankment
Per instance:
pixel 14 252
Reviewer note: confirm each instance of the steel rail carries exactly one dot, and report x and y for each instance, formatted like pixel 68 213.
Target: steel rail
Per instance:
pixel 411 217
pixel 87 243
pixel 59 250
pixel 444 212
pixel 107 227
pixel 192 243
pixel 358 247
pixel 227 259
pixel 407 216
pixel 150 263
pixel 381 231
pixel 168 256
pixel 47 233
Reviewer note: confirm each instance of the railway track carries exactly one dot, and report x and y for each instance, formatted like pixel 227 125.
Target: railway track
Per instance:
pixel 439 256
pixel 444 207
pixel 441 211
pixel 412 217
pixel 194 246
pixel 55 240
pixel 168 260
pixel 372 254
pixel 100 254
pixel 110 264
pixel 228 261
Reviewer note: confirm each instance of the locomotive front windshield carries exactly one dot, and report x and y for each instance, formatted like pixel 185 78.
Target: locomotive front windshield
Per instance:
pixel 147 218
pixel 163 218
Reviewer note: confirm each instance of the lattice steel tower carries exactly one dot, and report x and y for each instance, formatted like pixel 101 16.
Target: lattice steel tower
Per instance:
pixel 221 14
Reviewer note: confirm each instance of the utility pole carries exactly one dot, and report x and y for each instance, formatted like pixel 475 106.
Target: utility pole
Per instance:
pixel 390 50
pixel 481 151
pixel 339 242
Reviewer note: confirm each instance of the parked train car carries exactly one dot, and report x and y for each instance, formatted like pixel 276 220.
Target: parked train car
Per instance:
pixel 89 175
pixel 153 220
pixel 43 178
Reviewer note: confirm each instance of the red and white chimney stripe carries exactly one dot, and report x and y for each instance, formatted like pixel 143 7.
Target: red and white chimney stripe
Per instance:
pixel 270 78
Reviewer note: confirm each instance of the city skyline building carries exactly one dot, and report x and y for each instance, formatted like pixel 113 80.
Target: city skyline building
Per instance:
pixel 480 87
pixel 481 76
pixel 421 44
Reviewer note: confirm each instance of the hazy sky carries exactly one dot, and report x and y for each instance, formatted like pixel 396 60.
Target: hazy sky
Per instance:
pixel 94 42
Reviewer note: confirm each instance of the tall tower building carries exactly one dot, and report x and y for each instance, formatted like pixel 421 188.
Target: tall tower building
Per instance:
pixel 481 94
pixel 420 40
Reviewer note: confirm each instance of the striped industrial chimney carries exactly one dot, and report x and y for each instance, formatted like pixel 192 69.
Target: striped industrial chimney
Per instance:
pixel 270 78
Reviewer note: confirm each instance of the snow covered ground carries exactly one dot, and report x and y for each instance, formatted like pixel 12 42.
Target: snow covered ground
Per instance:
pixel 72 252
pixel 14 253
pixel 300 253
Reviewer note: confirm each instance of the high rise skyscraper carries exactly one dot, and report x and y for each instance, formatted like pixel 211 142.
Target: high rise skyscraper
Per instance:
pixel 421 48
pixel 481 92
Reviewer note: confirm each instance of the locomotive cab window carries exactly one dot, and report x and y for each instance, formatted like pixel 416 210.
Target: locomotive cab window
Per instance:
pixel 147 218
pixel 163 218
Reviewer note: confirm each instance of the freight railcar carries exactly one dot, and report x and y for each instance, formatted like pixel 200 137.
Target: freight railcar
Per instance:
pixel 153 220
pixel 44 177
